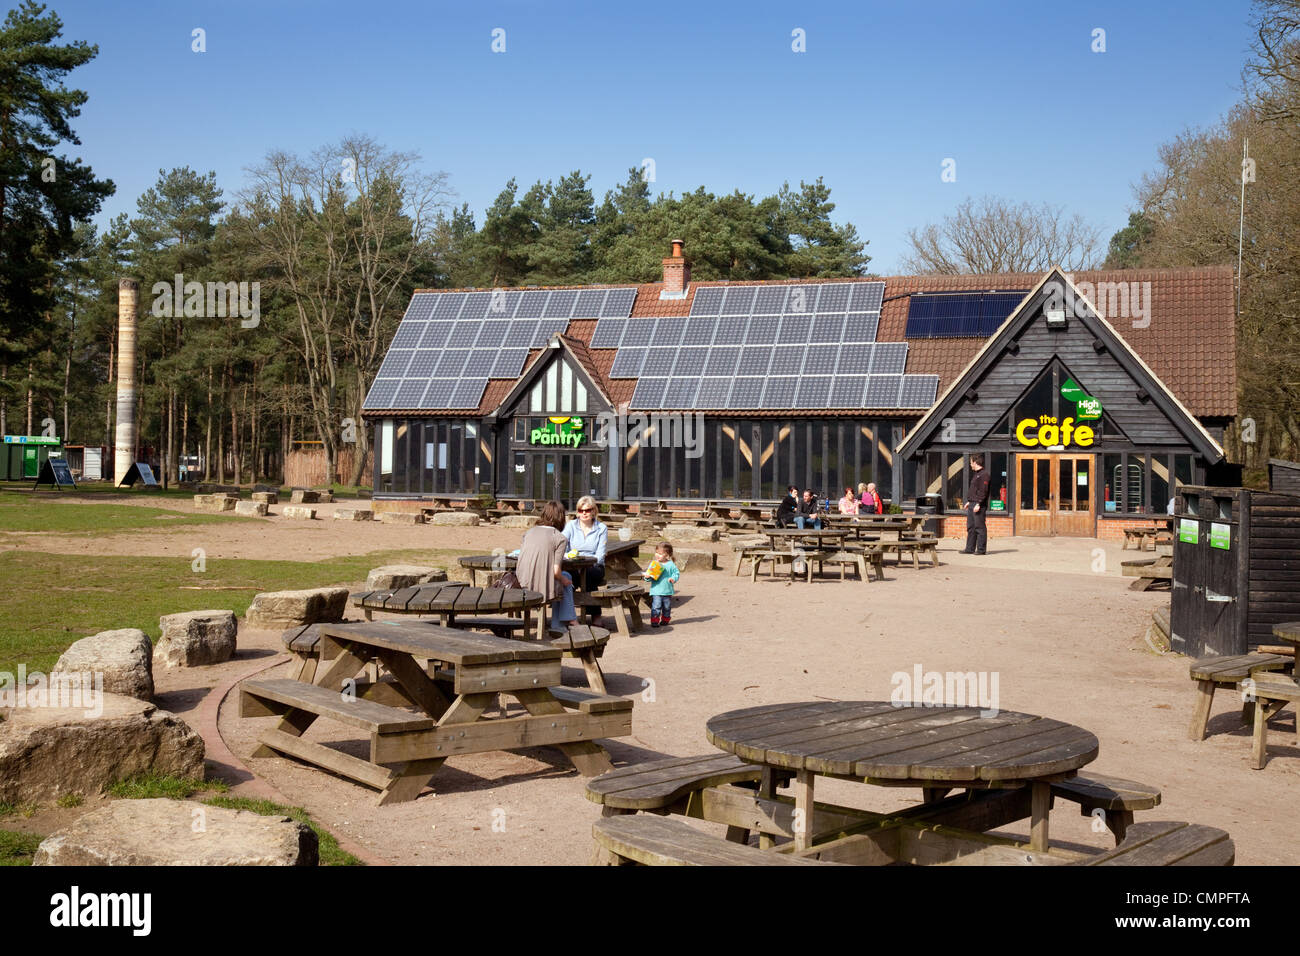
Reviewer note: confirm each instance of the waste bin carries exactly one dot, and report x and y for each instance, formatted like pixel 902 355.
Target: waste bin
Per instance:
pixel 933 506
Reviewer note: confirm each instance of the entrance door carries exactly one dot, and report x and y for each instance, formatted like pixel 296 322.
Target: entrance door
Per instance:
pixel 1055 494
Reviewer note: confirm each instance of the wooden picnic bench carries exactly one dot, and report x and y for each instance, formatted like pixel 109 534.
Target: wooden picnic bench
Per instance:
pixel 451 599
pixel 624 604
pixel 446 716
pixel 1227 670
pixel 586 644
pixel 1140 537
pixel 1149 572
pixel 916 547
pixel 1273 691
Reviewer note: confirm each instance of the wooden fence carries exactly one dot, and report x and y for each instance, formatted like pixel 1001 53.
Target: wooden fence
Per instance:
pixel 306 469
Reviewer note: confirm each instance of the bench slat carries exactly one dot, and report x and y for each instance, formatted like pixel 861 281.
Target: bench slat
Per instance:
pixel 589 702
pixel 663 841
pixel 366 714
pixel 660 783
pixel 1109 793
pixel 1167 843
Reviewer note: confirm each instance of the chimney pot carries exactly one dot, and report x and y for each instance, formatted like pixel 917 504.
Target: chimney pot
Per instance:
pixel 677 273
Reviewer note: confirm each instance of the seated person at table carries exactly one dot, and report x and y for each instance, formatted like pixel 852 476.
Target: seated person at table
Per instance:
pixel 589 536
pixel 871 503
pixel 807 516
pixel 540 565
pixel 788 508
pixel 849 503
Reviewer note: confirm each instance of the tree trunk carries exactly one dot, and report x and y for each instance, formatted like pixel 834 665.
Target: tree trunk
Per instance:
pixel 235 463
pixel 29 398
pixel 171 436
pixel 4 405
pixel 207 448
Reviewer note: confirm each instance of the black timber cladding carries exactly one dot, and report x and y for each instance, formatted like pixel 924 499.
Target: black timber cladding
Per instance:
pixel 1284 475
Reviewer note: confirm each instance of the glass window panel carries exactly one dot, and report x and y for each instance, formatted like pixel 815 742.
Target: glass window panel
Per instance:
pixel 1135 483
pixel 1112 477
pixel 1039 400
pixel 885 461
pixel 1083 485
pixel 1026 483
pixel 1160 494
pixel 1043 486
pixel 1065 485
pixel 566 388
pixel 933 473
pixel 581 393
pixel 552 387
pixel 956 490
pixel 997 466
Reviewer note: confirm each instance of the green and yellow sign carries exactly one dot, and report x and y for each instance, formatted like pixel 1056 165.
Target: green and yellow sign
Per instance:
pixel 558 430
pixel 1046 432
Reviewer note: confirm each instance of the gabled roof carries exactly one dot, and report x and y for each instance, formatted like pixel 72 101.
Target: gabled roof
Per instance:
pixel 575 348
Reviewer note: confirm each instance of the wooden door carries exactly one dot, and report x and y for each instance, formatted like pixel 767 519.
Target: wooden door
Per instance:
pixel 1055 495
pixel 1034 495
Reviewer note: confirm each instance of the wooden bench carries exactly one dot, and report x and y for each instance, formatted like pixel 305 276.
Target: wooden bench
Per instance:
pixel 659 784
pixel 1141 536
pixel 1169 844
pixel 916 547
pixel 1227 670
pixel 586 643
pixel 865 563
pixel 624 603
pixel 1115 797
pixel 1272 692
pixel 500 626
pixel 663 841
pixel 590 702
pixel 303 643
pixel 784 557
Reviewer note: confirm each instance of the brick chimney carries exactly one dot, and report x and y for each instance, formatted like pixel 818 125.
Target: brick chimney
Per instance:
pixel 677 274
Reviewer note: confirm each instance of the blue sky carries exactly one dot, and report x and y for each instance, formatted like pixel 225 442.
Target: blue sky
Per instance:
pixel 712 92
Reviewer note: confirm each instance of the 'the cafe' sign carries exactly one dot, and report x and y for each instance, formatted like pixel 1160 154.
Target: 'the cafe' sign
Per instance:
pixel 1045 432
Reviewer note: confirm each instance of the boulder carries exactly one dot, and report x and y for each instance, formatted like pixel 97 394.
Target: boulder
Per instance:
pixel 695 560
pixel 211 488
pixel 301 496
pixel 194 638
pixel 393 576
pixel 214 503
pixel 277 610
pixel 325 497
pixel 457 519
pixel 48 751
pixel 261 488
pixel 354 514
pixel 689 532
pixel 254 509
pixel 401 517
pixel 124 657
pixel 267 497
pixel 163 832
pixel 298 511
pixel 642 528
pixel 519 521
pixel 460 575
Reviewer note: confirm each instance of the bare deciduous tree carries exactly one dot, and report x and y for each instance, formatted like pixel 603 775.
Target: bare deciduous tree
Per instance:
pixel 992 235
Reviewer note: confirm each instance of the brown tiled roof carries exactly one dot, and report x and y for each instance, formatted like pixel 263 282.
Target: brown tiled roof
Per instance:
pixel 1190 342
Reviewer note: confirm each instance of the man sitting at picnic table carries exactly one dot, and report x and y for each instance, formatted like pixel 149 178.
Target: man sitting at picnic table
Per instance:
pixel 788 508
pixel 807 516
pixel 589 536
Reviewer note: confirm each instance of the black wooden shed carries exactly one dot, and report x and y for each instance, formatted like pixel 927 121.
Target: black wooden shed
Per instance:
pixel 1284 476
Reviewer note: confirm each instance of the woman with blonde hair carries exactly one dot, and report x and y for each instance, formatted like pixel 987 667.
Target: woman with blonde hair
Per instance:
pixel 540 566
pixel 589 536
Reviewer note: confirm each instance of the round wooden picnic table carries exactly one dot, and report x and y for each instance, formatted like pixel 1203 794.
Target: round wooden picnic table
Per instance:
pixel 1288 631
pixel 448 599
pixel 937 748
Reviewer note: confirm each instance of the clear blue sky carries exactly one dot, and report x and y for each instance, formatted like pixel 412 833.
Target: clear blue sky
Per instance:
pixel 711 92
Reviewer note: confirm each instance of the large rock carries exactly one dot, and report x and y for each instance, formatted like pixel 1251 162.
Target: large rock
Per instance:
pixel 689 532
pixel 254 509
pixel 267 497
pixel 194 638
pixel 301 496
pixel 299 512
pixel 642 528
pixel 164 832
pixel 277 610
pixel 519 521
pixel 211 488
pixel 262 489
pixel 401 517
pixel 457 519
pixel 695 560
pixel 325 497
pixel 48 751
pixel 214 503
pixel 353 514
pixel 393 576
pixel 124 657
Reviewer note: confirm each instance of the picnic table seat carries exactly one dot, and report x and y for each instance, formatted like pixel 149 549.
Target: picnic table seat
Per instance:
pixel 624 603
pixel 1272 692
pixel 587 644
pixel 500 626
pixel 1227 670
pixel 1116 797
pixel 746 549
pixel 916 547
pixel 667 841
pixel 303 643
pixel 658 784
pixel 1166 843
pixel 1140 536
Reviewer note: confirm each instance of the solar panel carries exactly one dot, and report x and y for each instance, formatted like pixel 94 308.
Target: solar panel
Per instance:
pixel 813 392
pixel 501 304
pixel 739 300
pixel 891 358
pixel 638 332
pixel 770 300
pixel 408 335
pixel 918 391
pixel 722 361
pixel 882 391
pixel 452 362
pixel 608 333
pixel 463 334
pixel 448 306
pixel 668 330
pixel 867 296
pixel 658 361
pixel 754 360
pixel 860 327
pixel 827 328
pixel 847 391
pixel 435 335
pixel 649 393
pixel 480 362
pixel 476 306
pixel 439 393
pixel 509 363
pixel 410 393
pixel 779 392
pixel 467 393
pixel 381 393
pixel 531 304
pixel 762 330
pixel 855 359
pixel 618 304
pixel 730 330
pixel 959 314
pixel 421 307
pixel 699 331
pixel 834 298
pixel 795 328
pixel 746 393
pixel 547 328
pixel 707 301
pixel 590 304
pixel 395 363
pixel 680 392
pixel 521 334
pixel 690 361
pixel 787 360
pixel 802 300
pixel 820 360
pixel 492 335
pixel 713 393
pixel 560 305
pixel 627 363
pixel 423 363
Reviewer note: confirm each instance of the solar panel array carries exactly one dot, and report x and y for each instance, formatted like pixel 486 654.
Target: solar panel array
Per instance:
pixel 960 314
pixel 767 347
pixel 450 343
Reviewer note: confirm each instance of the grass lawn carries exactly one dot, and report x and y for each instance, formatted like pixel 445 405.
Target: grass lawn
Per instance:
pixel 51 600
pixel 22 511
pixel 17 849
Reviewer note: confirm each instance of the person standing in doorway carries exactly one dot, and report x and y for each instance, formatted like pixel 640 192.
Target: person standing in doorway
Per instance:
pixel 976 507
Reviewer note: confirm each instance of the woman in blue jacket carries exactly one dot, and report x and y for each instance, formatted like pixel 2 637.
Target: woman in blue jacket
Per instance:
pixel 589 536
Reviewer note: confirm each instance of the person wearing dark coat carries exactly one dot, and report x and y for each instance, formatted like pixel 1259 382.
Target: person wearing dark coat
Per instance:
pixel 788 508
pixel 976 507
pixel 808 516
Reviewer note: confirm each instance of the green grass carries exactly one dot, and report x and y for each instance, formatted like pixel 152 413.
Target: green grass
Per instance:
pixel 68 800
pixel 147 786
pixel 51 600
pixel 17 849
pixel 17 809
pixel 22 511
pixel 330 853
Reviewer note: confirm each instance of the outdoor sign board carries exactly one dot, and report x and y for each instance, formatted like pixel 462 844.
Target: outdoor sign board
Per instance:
pixel 55 471
pixel 1220 536
pixel 559 430
pixel 1188 530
